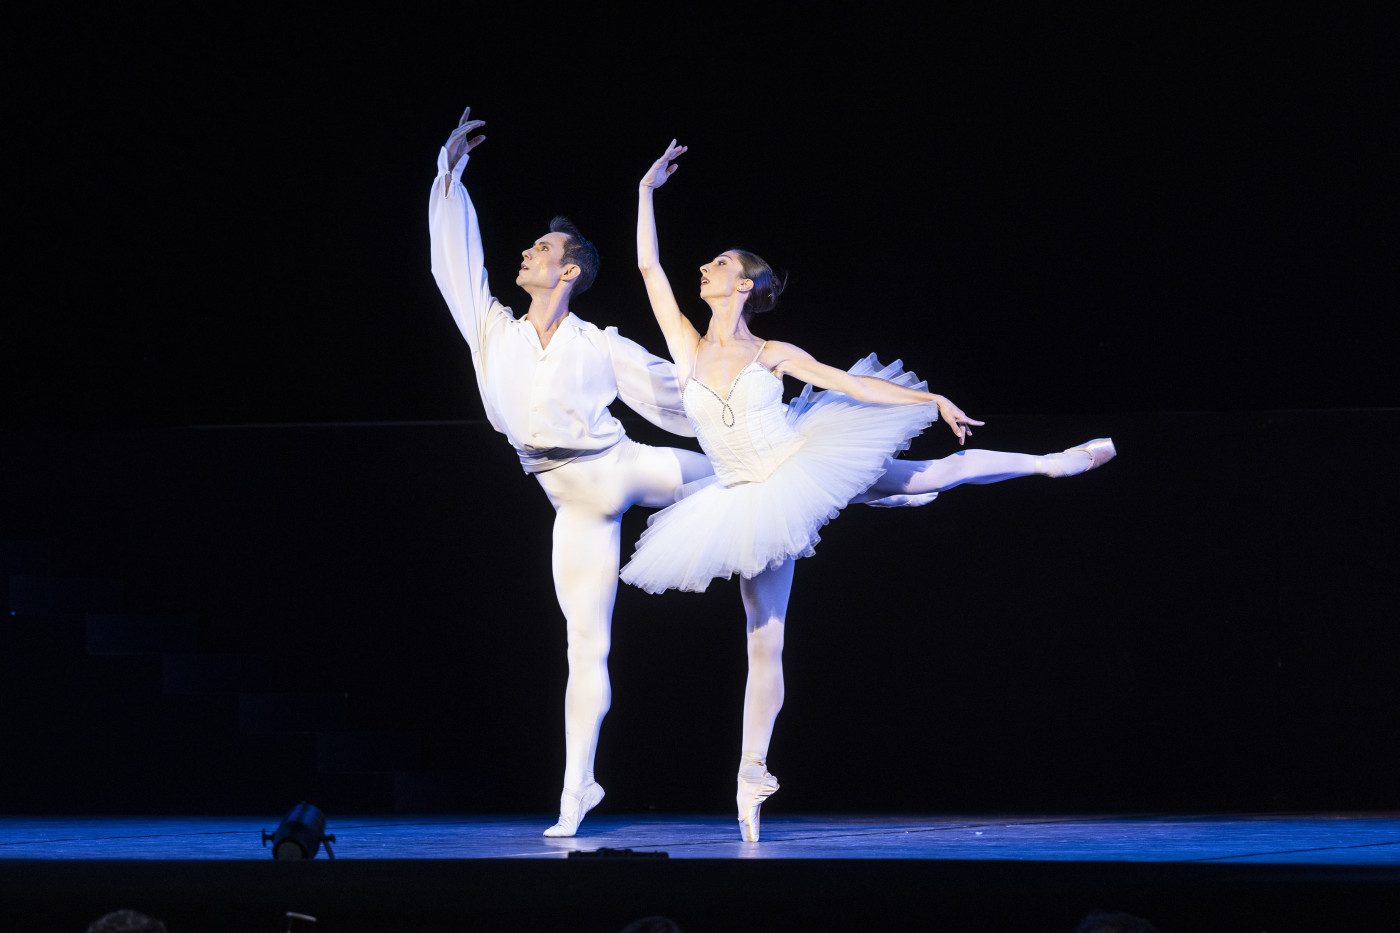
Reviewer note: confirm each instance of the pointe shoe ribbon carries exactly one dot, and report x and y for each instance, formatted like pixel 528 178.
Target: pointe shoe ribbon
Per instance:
pixel 573 804
pixel 752 794
pixel 1100 451
pixel 901 501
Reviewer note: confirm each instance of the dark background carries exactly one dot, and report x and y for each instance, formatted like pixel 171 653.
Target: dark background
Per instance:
pixel 1077 209
pixel 1174 227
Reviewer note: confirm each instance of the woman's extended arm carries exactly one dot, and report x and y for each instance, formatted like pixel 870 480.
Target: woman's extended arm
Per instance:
pixel 784 359
pixel 681 336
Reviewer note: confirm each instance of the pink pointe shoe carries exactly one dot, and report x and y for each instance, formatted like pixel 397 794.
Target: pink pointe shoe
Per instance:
pixel 755 786
pixel 1100 451
pixel 573 804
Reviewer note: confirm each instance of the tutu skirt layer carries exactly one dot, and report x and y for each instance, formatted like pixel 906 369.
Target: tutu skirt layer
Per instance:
pixel 717 531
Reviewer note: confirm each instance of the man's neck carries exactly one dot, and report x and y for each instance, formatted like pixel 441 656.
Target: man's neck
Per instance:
pixel 546 313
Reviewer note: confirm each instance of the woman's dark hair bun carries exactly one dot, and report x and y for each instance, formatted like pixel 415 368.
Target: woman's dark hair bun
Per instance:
pixel 767 284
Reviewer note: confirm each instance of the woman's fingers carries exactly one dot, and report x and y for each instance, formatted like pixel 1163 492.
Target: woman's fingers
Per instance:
pixel 663 168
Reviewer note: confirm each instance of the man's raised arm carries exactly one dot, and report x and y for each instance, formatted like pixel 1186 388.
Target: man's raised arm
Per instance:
pixel 647 384
pixel 456 241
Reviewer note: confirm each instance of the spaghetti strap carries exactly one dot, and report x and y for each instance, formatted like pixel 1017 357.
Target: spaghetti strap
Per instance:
pixel 696 355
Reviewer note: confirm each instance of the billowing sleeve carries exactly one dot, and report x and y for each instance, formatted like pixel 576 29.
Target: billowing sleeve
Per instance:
pixel 456 254
pixel 647 384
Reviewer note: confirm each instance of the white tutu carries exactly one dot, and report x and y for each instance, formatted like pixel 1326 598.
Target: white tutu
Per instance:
pixel 717 531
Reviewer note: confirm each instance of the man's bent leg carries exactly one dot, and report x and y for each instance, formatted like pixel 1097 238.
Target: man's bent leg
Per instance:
pixel 654 473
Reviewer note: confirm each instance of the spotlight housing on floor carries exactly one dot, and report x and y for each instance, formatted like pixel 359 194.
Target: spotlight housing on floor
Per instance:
pixel 300 834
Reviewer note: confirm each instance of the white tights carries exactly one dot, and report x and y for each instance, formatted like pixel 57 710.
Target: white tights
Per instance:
pixel 765 611
pixel 978 467
pixel 589 497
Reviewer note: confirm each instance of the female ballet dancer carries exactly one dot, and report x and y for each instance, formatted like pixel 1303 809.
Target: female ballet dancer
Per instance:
pixel 782 471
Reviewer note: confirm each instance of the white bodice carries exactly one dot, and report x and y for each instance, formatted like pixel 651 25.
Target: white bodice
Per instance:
pixel 744 432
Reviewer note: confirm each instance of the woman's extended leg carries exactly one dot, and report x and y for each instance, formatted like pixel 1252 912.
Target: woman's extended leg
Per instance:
pixel 765 608
pixel 919 477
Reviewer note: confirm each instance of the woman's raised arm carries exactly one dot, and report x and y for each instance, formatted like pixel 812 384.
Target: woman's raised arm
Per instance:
pixel 681 336
pixel 784 359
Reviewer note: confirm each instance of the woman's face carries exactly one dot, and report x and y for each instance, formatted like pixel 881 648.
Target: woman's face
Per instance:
pixel 723 276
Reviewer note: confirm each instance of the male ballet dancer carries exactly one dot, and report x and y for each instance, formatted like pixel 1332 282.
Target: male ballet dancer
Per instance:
pixel 547 379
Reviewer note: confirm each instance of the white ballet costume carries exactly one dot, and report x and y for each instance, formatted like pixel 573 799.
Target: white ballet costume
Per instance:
pixel 781 473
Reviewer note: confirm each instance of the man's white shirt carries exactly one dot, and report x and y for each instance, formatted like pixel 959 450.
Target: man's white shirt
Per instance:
pixel 551 402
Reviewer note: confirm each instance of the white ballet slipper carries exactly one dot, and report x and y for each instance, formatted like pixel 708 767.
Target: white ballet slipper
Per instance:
pixel 573 804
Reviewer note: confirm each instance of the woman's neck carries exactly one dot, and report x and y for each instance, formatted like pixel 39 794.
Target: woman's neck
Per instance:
pixel 728 323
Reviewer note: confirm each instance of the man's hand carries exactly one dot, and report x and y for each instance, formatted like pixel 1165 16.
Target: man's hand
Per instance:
pixel 662 168
pixel 458 144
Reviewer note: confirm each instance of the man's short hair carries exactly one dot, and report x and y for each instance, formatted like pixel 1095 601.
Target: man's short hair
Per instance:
pixel 577 251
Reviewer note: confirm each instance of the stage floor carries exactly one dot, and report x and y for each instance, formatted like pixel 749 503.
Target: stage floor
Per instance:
pixel 1208 873
pixel 1360 839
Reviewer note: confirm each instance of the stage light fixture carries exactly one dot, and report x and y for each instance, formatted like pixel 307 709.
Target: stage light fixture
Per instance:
pixel 300 834
pixel 608 853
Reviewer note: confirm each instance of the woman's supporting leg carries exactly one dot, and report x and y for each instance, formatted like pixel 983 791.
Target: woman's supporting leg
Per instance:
pixel 765 608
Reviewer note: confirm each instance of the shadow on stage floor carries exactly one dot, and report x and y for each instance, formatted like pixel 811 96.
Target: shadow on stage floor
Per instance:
pixel 1184 872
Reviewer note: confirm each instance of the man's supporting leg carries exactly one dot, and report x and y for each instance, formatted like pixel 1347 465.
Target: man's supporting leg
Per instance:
pixel 585 580
pixel 589 498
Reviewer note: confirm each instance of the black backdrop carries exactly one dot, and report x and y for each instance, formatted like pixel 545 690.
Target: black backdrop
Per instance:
pixel 1177 228
pixel 222 217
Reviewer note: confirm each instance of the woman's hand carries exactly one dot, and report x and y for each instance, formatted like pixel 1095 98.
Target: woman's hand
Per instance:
pixel 662 168
pixel 956 419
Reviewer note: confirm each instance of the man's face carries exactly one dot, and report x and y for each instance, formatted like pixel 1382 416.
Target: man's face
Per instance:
pixel 542 265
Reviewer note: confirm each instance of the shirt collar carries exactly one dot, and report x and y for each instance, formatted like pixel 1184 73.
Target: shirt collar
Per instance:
pixel 569 328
